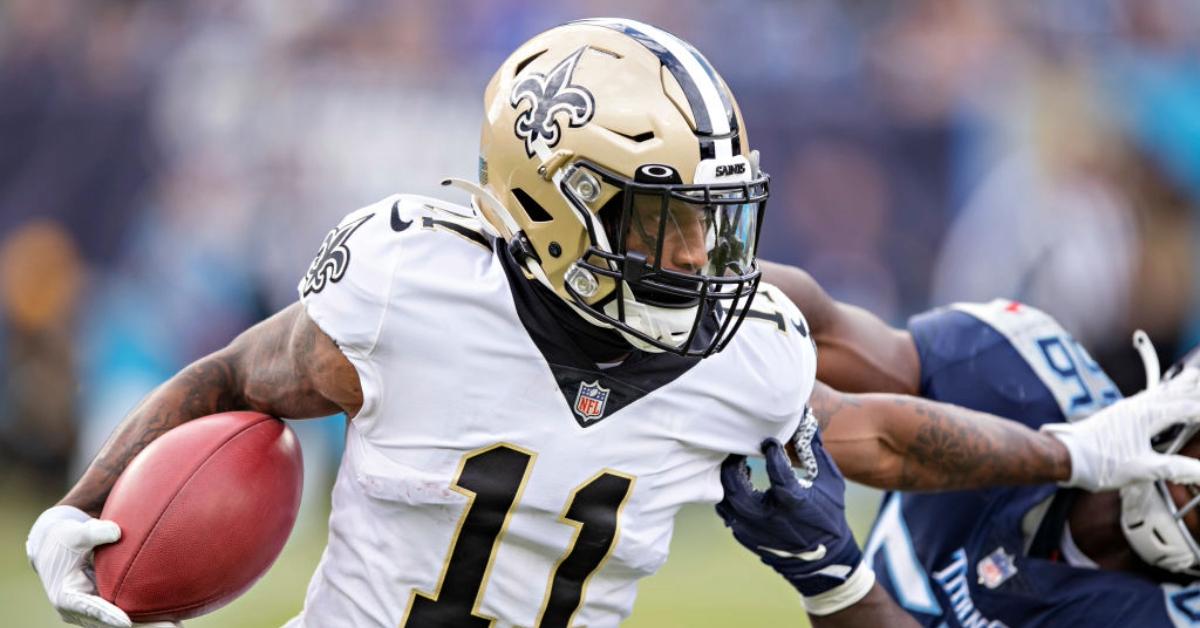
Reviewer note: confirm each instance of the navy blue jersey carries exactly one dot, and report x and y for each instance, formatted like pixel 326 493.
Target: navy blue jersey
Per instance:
pixel 964 558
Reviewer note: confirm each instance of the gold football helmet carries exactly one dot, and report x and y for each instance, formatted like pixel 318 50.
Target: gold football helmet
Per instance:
pixel 615 165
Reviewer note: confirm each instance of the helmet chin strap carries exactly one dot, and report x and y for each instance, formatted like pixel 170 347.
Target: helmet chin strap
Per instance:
pixel 667 325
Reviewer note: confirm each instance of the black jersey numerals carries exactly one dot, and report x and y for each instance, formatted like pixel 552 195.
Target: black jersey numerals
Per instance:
pixel 594 509
pixel 493 480
pixel 764 308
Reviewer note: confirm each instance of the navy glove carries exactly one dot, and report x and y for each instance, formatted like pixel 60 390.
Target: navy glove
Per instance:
pixel 798 526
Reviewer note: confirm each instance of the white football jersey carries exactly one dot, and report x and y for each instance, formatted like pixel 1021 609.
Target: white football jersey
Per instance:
pixel 495 476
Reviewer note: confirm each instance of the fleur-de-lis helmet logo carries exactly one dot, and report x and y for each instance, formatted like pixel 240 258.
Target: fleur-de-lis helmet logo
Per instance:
pixel 548 96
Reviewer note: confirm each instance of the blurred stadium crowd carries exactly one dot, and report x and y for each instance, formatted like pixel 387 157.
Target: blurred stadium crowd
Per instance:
pixel 168 168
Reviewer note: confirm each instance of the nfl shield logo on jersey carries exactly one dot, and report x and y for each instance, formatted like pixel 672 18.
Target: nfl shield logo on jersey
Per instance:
pixel 996 568
pixel 589 402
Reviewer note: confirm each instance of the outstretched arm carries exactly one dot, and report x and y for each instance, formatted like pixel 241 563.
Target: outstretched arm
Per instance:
pixel 896 442
pixel 284 366
pixel 859 352
pixel 907 443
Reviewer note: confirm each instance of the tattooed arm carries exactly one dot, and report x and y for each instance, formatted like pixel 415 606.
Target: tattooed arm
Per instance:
pixel 284 366
pixel 907 443
pixel 896 441
pixel 859 352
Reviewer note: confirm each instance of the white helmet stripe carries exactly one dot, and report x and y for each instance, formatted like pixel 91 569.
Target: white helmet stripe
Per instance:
pixel 714 116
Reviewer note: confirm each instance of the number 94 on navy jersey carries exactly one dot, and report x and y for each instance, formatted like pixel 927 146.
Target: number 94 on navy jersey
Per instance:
pixel 962 559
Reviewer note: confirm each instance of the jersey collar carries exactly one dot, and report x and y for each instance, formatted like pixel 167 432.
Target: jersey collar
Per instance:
pixel 572 348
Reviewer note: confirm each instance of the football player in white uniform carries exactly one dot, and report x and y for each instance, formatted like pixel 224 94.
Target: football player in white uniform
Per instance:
pixel 536 383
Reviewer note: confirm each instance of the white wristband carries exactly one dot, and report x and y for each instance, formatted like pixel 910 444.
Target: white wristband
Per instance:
pixel 845 594
pixel 1083 475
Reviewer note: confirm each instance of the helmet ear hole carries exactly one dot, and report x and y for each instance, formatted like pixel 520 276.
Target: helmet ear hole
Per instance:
pixel 532 208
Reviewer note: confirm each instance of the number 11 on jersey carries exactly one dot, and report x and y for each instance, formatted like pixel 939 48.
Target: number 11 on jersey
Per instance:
pixel 493 480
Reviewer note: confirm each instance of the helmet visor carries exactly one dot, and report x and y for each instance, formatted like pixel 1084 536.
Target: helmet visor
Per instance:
pixel 687 233
pixel 684 247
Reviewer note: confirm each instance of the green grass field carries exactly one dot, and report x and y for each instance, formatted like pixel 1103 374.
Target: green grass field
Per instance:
pixel 708 581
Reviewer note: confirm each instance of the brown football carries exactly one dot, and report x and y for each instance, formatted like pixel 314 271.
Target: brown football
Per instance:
pixel 204 511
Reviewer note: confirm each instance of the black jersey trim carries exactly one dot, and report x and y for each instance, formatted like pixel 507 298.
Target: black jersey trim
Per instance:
pixel 546 319
pixel 428 222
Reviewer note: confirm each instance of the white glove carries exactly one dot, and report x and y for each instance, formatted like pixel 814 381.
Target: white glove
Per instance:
pixel 60 549
pixel 1111 449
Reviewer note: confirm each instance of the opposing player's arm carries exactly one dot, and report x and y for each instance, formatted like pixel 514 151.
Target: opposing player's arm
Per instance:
pixel 284 366
pixel 907 443
pixel 859 352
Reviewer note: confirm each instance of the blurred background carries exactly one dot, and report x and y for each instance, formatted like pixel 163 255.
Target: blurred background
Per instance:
pixel 167 170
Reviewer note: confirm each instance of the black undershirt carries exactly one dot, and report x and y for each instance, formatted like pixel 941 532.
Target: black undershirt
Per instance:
pixel 572 348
